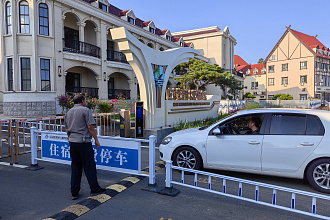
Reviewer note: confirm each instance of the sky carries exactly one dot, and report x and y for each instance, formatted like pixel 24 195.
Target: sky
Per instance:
pixel 257 25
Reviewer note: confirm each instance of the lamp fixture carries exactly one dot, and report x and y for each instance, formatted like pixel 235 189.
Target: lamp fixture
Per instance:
pixel 135 80
pixel 59 71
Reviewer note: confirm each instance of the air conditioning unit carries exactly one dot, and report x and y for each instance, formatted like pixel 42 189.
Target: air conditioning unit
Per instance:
pixel 285 85
pixel 302 84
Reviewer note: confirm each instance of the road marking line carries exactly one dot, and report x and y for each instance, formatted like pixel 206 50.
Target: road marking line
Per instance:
pixel 14 165
pixel 131 179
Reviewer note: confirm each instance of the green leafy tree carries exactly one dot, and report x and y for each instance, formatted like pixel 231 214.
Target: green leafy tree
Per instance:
pixel 199 74
pixel 249 95
pixel 281 96
pixel 261 60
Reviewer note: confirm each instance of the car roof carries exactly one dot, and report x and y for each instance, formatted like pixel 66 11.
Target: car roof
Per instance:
pixel 285 110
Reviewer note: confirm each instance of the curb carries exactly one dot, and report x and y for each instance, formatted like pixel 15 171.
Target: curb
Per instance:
pixel 84 206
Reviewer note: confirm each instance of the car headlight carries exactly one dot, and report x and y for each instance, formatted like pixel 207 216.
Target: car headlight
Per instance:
pixel 166 140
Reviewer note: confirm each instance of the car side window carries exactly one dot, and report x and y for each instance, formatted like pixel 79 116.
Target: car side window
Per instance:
pixel 314 126
pixel 283 124
pixel 242 125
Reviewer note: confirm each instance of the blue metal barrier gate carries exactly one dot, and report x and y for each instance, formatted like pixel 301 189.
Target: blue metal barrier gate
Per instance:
pixel 115 154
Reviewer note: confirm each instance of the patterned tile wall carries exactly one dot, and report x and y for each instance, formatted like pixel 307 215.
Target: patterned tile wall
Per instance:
pixel 29 109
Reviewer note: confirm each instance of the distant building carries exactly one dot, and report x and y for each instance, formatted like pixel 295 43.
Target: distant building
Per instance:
pixel 299 64
pixel 238 61
pixel 255 80
pixel 217 46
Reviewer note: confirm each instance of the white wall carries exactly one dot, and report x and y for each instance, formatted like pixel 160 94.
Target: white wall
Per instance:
pixel 176 114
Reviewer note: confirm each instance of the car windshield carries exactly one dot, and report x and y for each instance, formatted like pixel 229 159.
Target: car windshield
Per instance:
pixel 204 127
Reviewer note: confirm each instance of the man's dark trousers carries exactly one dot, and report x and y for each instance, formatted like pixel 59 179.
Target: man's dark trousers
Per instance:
pixel 82 155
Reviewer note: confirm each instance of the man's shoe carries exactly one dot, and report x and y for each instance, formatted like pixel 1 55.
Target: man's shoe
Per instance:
pixel 75 196
pixel 97 192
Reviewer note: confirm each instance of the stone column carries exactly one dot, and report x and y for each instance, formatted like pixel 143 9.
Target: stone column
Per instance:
pixel 81 31
pixel 35 76
pixel 59 84
pixel 100 85
pixel 98 37
pixel 227 54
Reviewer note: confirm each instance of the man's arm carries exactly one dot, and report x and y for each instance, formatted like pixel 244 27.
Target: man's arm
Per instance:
pixel 92 130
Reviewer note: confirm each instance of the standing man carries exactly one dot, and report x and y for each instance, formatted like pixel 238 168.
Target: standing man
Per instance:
pixel 79 123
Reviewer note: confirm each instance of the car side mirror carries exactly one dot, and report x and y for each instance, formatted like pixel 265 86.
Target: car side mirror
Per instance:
pixel 217 131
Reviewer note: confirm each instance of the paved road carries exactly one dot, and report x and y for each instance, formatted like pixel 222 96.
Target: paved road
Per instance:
pixel 39 194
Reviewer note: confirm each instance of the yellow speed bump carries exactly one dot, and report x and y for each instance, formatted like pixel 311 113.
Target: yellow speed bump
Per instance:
pixel 131 179
pixel 117 187
pixel 77 209
pixel 101 198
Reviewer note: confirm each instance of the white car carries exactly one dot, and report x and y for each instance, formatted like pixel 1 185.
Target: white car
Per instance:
pixel 290 143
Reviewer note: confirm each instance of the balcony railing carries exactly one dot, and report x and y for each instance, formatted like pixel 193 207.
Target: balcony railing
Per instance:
pixel 91 92
pixel 116 56
pixel 115 93
pixel 81 47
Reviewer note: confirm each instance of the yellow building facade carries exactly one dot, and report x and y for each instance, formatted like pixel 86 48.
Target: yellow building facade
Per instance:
pixel 298 65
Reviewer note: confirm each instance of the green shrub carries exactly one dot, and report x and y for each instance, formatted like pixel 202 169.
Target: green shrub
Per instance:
pixel 252 105
pixel 104 106
pixel 195 124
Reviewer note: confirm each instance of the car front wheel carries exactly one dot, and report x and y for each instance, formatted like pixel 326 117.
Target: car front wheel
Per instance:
pixel 318 175
pixel 187 157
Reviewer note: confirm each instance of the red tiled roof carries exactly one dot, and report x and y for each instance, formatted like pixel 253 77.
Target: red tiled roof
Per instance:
pixel 89 1
pixel 199 33
pixel 238 61
pixel 259 66
pixel 310 41
pixel 163 32
pixel 138 22
pixel 176 38
pixel 187 44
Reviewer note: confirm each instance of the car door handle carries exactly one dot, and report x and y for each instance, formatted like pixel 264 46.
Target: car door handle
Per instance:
pixel 254 142
pixel 307 144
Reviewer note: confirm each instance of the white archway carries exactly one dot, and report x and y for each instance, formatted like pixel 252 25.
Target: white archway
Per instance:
pixel 146 62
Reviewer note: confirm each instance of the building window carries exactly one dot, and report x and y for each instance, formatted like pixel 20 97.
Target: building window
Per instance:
pixel 285 81
pixel 252 85
pixel 181 44
pixel 270 96
pixel 317 65
pixel 103 6
pixel 326 66
pixel 303 79
pixel 303 65
pixel 322 66
pixel 168 37
pixel 327 81
pixel 303 97
pixel 317 80
pixel 8 18
pixel 263 93
pixel 263 70
pixel 285 67
pixel 271 69
pixel 130 20
pixel 323 81
pixel 25 74
pixel 270 81
pixel 24 25
pixel 255 93
pixel 152 30
pixel 255 71
pixel 317 50
pixel 45 74
pixel 10 74
pixel 43 19
pixel 273 57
